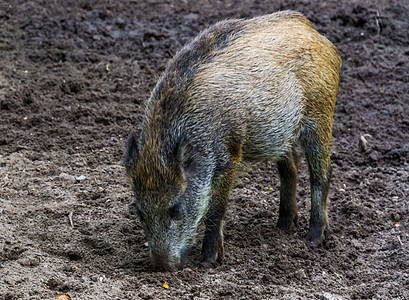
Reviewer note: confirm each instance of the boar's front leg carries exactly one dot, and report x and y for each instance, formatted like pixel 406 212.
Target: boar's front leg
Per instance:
pixel 212 249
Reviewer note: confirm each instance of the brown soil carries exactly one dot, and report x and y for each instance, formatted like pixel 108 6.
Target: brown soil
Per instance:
pixel 74 77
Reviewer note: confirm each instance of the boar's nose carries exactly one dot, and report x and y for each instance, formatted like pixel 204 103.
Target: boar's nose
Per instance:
pixel 161 261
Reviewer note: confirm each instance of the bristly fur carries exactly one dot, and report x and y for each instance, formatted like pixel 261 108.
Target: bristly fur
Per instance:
pixel 241 90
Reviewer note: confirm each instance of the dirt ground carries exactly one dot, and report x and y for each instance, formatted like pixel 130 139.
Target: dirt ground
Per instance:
pixel 74 77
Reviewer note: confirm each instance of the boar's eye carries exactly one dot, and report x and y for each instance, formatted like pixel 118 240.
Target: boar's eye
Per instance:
pixel 138 212
pixel 174 210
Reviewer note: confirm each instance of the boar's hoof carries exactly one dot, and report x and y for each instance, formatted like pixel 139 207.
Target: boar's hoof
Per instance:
pixel 316 236
pixel 286 223
pixel 209 263
pixel 208 260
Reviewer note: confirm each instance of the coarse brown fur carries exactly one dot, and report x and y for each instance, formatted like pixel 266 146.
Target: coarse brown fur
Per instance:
pixel 241 90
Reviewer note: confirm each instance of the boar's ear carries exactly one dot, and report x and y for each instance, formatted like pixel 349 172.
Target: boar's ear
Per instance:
pixel 179 150
pixel 131 150
pixel 180 155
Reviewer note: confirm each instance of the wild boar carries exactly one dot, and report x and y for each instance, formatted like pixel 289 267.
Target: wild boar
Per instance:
pixel 242 90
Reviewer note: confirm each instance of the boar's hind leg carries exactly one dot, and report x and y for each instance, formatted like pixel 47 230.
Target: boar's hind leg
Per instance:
pixel 212 249
pixel 287 168
pixel 317 152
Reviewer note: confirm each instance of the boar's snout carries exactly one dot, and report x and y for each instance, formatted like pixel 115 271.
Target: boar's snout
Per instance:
pixel 163 261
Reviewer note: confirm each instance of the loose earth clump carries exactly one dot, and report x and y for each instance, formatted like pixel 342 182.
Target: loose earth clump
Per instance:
pixel 74 78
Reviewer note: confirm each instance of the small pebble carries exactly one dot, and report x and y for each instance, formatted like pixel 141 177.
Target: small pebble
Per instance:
pixel 63 297
pixel 80 178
